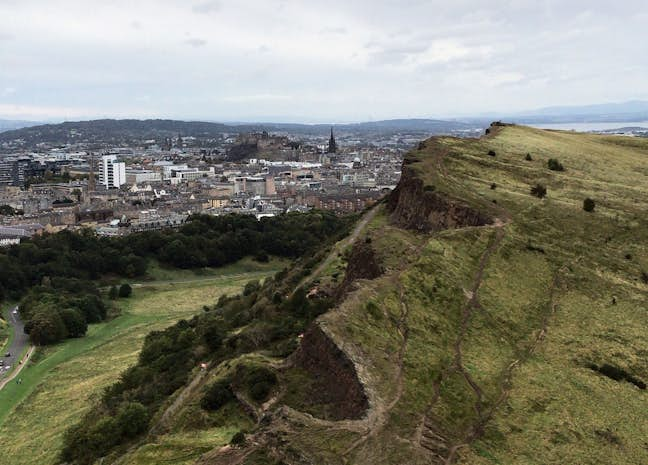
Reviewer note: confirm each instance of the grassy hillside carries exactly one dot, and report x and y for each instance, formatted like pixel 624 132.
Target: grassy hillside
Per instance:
pixel 519 339
pixel 477 344
pixel 62 381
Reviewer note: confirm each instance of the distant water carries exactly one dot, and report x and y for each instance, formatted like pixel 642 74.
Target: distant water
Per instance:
pixel 587 127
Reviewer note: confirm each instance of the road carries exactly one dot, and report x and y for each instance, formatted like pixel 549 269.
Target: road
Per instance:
pixel 18 345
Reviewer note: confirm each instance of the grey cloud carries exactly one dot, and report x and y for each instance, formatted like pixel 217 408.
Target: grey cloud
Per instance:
pixel 333 30
pixel 196 42
pixel 206 7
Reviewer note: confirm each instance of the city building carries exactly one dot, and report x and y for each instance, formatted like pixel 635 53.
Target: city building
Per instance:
pixel 113 173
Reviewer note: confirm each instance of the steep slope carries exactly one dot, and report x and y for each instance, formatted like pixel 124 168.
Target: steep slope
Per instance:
pixel 477 323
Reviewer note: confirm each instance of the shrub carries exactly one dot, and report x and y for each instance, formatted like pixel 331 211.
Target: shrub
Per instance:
pixel 217 395
pixel 555 165
pixel 125 290
pixel 589 205
pixel 132 419
pixel 113 293
pixel 492 153
pixel 493 186
pixel 238 439
pixel 528 157
pixel 373 310
pixel 261 391
pixel 644 277
pixel 250 287
pixel 213 334
pixel 258 381
pixel 539 191
pixel 262 257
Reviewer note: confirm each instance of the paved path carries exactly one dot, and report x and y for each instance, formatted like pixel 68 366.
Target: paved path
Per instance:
pixel 18 345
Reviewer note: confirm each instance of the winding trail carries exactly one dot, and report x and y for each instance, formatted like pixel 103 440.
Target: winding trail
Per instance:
pixel 340 246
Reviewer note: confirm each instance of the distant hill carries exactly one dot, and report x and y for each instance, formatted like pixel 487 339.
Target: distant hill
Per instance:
pixel 8 125
pixel 110 131
pixel 607 112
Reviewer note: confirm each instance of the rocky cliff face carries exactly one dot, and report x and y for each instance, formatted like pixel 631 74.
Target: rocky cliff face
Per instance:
pixel 333 369
pixel 416 206
pixel 362 264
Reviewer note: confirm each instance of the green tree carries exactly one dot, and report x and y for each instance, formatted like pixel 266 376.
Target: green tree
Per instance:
pixel 125 290
pixel 74 321
pixel 46 326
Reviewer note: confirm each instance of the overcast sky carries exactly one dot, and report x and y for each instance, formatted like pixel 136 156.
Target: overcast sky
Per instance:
pixel 302 60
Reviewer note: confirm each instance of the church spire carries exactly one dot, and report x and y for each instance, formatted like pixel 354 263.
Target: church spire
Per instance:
pixel 332 146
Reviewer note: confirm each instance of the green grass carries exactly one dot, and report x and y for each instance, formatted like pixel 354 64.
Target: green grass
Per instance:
pixel 63 381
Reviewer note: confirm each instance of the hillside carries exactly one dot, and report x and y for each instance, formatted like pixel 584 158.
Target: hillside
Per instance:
pixel 464 321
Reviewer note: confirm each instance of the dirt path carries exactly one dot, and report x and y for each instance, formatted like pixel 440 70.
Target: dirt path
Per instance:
pixel 162 424
pixel 339 247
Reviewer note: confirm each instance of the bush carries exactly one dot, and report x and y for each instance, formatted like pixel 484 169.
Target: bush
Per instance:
pixel 258 381
pixel 113 293
pixel 528 157
pixel 125 290
pixel 539 191
pixel 250 287
pixel 238 439
pixel 493 186
pixel 132 419
pixel 261 391
pixel 217 395
pixel 492 153
pixel 589 205
pixel 262 257
pixel 555 165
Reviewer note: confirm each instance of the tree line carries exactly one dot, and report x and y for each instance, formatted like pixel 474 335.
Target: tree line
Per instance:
pixel 55 275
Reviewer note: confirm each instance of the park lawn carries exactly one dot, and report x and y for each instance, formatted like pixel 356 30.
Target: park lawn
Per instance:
pixel 64 380
pixel 159 273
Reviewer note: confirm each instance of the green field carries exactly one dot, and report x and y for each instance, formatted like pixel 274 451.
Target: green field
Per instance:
pixel 62 381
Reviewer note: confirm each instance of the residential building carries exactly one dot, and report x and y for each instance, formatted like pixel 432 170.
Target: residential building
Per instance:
pixel 113 173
